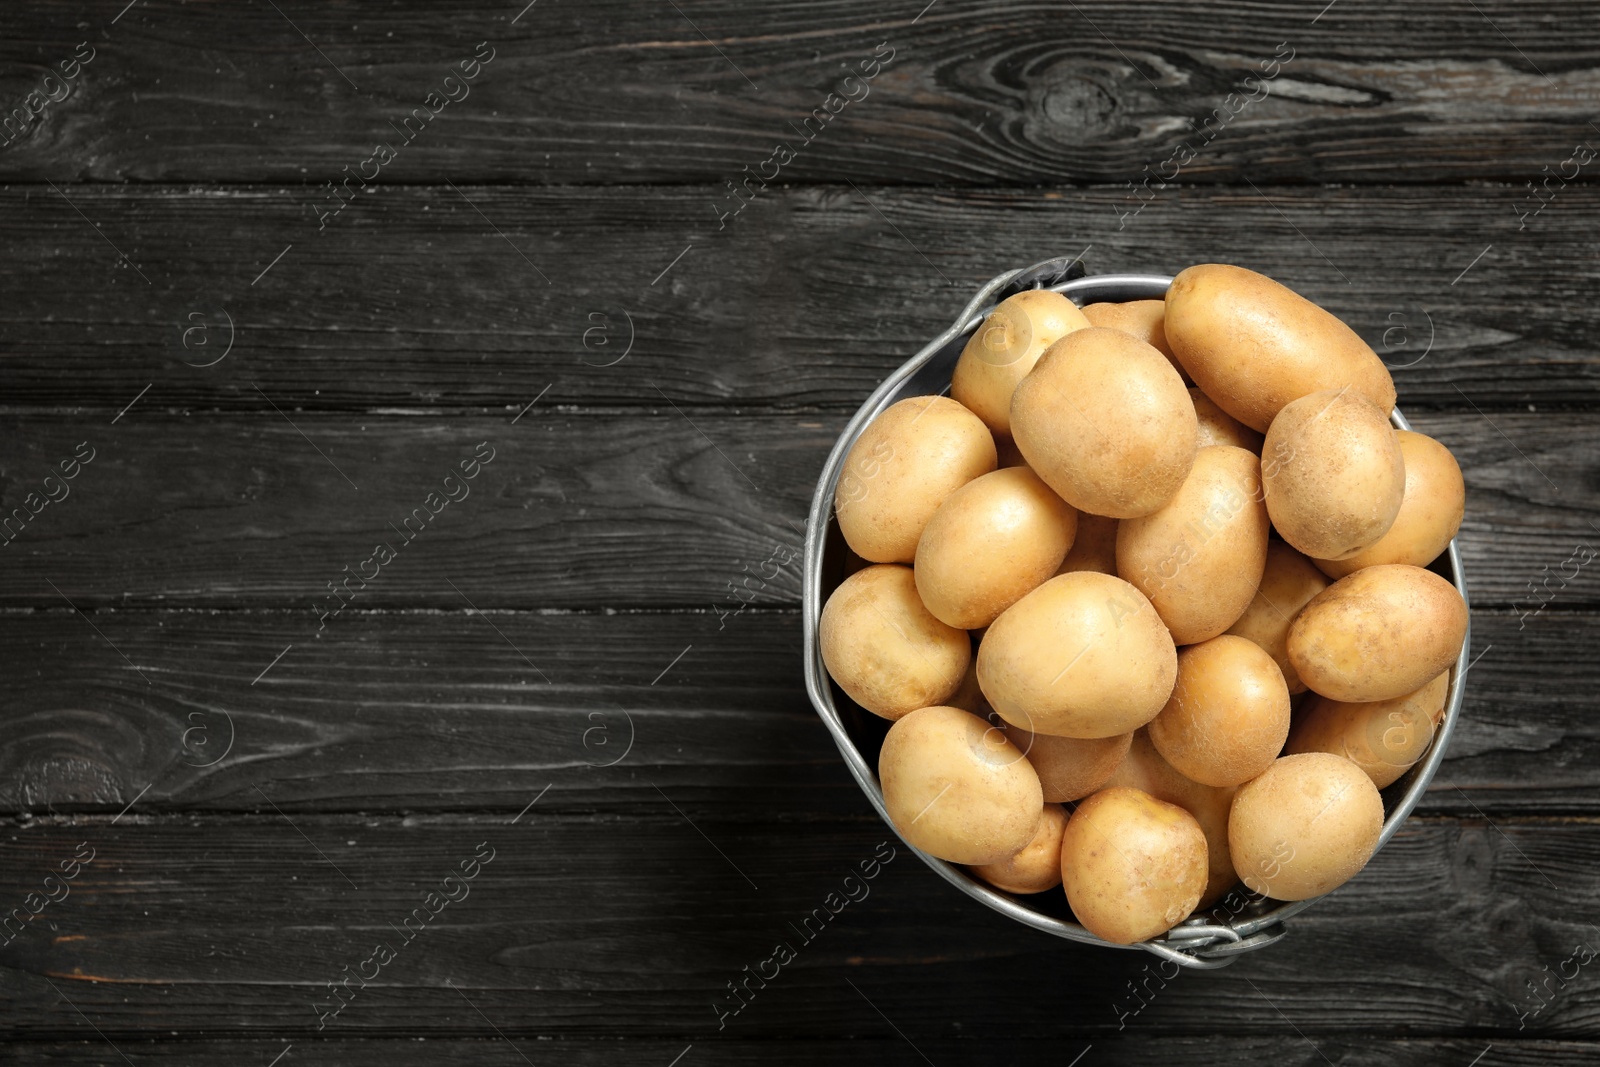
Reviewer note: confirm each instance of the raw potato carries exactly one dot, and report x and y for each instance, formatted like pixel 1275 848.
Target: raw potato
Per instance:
pixel 1433 503
pixel 884 648
pixel 1083 655
pixel 990 543
pixel 1069 768
pixel 1199 558
pixel 968 696
pixel 1287 585
pixel 1383 738
pixel 900 470
pixel 1305 827
pixel 1095 547
pixel 1106 422
pixel 1228 716
pixel 1332 474
pixel 1038 866
pixel 1005 348
pixel 1217 427
pixel 1133 866
pixel 1380 633
pixel 1254 345
pixel 956 788
pixel 1137 318
pixel 1143 768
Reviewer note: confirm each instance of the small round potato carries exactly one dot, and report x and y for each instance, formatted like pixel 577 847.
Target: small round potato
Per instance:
pixel 1305 826
pixel 1287 585
pixel 1095 547
pixel 1380 633
pixel 1254 345
pixel 1106 422
pixel 1430 513
pixel 1137 318
pixel 1228 715
pixel 1383 738
pixel 1143 768
pixel 1069 768
pixel 1004 349
pixel 1038 866
pixel 1083 655
pixel 990 543
pixel 900 470
pixel 1217 427
pixel 1199 557
pixel 1133 866
pixel 1332 474
pixel 968 695
pixel 884 648
pixel 956 788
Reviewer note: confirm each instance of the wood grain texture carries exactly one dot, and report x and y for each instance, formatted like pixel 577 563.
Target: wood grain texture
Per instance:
pixel 985 93
pixel 480 298
pixel 585 510
pixel 433 711
pixel 596 927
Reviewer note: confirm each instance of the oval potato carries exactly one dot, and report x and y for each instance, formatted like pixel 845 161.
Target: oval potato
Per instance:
pixel 1379 633
pixel 1254 345
pixel 1037 867
pixel 1083 655
pixel 1432 505
pixel 1095 546
pixel 1228 716
pixel 884 648
pixel 991 542
pixel 1332 474
pixel 1384 738
pixel 1288 583
pixel 1217 427
pixel 1305 826
pixel 1133 866
pixel 1137 318
pixel 1069 768
pixel 1002 351
pixel 1106 422
pixel 956 788
pixel 1199 558
pixel 901 468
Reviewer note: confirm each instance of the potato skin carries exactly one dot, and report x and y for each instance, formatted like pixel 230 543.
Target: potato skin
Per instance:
pixel 1083 655
pixel 1332 474
pixel 1069 768
pixel 1228 716
pixel 1217 427
pixel 1199 558
pixel 1432 505
pixel 956 788
pixel 1037 867
pixel 901 468
pixel 1305 826
pixel 1384 738
pixel 1133 866
pixel 990 543
pixel 884 648
pixel 1095 546
pixel 1144 768
pixel 1288 583
pixel 1005 347
pixel 1106 422
pixel 1254 345
pixel 1137 318
pixel 1379 633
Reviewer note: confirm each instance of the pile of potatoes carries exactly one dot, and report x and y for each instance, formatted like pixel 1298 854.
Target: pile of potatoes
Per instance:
pixel 1164 559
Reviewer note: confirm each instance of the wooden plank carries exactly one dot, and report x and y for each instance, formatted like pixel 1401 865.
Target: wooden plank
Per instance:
pixel 1133 1051
pixel 413 300
pixel 430 711
pixel 627 92
pixel 582 510
pixel 594 927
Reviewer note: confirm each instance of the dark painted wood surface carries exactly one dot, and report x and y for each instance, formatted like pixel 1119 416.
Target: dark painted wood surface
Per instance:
pixel 265 790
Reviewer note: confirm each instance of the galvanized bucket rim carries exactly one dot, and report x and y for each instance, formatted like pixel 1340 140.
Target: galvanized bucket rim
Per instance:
pixel 1204 944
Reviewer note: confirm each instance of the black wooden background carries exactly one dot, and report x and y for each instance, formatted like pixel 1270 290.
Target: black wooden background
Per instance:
pixel 562 664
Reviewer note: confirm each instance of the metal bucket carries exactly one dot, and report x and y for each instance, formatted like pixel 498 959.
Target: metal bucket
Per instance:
pixel 1240 923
